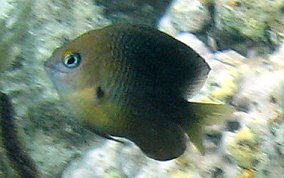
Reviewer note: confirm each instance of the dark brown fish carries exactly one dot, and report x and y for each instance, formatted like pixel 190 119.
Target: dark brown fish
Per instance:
pixel 131 81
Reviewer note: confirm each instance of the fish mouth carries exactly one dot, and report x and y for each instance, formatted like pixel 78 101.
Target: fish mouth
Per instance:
pixel 51 66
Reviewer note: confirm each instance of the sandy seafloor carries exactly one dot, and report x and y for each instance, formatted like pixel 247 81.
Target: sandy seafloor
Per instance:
pixel 242 41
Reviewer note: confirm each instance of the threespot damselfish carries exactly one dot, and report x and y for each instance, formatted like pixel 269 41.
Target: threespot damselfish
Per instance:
pixel 132 81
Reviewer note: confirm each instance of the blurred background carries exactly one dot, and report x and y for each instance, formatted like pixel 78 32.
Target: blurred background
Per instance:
pixel 242 40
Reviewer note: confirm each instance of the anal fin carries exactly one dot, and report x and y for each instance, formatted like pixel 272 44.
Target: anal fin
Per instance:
pixel 160 141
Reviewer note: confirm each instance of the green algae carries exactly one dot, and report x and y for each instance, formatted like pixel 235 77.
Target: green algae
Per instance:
pixel 251 18
pixel 114 173
pixel 245 148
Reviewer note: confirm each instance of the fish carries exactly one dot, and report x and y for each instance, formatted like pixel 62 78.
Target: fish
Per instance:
pixel 133 81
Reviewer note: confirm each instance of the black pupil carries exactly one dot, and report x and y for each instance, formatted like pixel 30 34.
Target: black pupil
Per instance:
pixel 71 60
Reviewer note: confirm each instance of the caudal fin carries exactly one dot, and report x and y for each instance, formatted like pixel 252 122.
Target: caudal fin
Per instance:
pixel 204 114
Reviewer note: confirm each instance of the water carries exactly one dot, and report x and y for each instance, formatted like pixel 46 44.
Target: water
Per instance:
pixel 241 41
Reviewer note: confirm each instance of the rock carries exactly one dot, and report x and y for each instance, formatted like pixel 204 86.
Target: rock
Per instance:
pixel 232 126
pixel 14 20
pixel 251 19
pixel 245 149
pixel 277 58
pixel 134 11
pixel 188 15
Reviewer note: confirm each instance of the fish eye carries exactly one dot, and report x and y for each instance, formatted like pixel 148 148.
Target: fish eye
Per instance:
pixel 72 60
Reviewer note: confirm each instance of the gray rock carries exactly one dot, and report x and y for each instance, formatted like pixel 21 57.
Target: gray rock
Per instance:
pixel 189 15
pixel 14 20
pixel 251 19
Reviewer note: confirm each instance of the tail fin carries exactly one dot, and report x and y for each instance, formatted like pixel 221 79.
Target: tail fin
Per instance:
pixel 204 114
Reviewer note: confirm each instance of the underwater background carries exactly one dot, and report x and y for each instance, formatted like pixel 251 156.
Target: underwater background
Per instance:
pixel 241 40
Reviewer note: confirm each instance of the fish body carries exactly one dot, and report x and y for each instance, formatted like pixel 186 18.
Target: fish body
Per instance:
pixel 132 81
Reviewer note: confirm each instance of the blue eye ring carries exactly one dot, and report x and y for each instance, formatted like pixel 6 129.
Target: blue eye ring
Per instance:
pixel 72 60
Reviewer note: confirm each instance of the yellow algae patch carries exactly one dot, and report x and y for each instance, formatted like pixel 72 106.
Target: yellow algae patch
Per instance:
pixel 227 91
pixel 181 174
pixel 248 173
pixel 244 148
